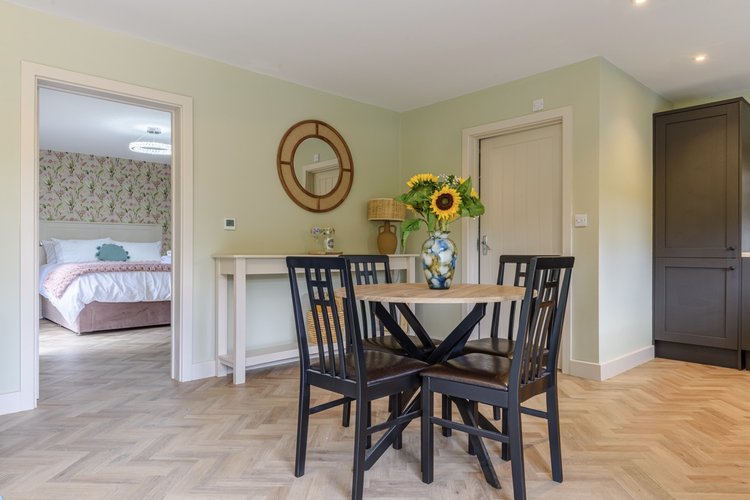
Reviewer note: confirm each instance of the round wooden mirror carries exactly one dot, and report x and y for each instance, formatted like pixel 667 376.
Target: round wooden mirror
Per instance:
pixel 315 166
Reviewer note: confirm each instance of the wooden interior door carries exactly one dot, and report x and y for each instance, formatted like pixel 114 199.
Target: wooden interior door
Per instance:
pixel 520 184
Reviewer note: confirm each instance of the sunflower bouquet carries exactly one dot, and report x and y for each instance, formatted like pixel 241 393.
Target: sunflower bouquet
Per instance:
pixel 437 201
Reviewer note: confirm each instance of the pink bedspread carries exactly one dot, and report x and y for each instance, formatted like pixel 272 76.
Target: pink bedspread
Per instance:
pixel 58 280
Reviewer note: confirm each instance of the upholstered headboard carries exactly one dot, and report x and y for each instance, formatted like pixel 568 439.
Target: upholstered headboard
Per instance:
pixel 92 230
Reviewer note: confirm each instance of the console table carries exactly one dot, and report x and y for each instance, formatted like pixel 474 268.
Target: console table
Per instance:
pixel 242 268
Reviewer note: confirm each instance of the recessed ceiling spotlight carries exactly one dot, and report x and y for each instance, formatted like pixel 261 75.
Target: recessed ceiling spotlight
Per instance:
pixel 638 2
pixel 700 58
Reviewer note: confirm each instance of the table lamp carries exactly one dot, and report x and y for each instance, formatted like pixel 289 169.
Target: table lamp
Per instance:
pixel 387 210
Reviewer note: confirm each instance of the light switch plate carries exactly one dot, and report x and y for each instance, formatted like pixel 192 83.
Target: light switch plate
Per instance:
pixel 229 223
pixel 581 220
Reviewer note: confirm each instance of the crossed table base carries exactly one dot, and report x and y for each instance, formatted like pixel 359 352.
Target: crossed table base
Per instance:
pixel 403 294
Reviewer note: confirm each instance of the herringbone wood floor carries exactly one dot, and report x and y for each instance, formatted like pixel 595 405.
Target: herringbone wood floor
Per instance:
pixel 111 424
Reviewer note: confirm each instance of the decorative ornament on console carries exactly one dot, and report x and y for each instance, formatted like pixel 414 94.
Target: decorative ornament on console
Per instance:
pixel 323 241
pixel 437 201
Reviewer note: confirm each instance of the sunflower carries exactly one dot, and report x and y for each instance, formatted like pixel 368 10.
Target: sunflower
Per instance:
pixel 474 193
pixel 445 203
pixel 421 178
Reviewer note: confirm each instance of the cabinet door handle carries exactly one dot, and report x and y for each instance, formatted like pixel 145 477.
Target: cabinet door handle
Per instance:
pixel 731 249
pixel 730 268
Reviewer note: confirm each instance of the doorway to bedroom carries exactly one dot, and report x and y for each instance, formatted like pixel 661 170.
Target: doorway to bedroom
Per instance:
pixel 105 228
pixel 63 197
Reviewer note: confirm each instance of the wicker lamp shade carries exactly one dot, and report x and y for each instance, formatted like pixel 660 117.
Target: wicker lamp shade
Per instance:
pixel 386 210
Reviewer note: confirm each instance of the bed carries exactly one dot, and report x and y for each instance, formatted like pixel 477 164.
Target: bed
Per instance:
pixel 85 294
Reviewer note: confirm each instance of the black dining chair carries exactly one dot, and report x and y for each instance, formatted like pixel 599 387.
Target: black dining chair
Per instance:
pixel 507 382
pixel 341 365
pixel 500 341
pixel 367 270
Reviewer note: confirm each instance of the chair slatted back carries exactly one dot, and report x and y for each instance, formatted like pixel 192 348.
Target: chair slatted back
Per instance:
pixel 366 270
pixel 521 263
pixel 541 319
pixel 323 275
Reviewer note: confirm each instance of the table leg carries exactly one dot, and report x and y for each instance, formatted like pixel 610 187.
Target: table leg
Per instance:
pixel 415 325
pixel 409 411
pixel 221 320
pixel 466 409
pixel 455 341
pixel 239 321
pixel 393 327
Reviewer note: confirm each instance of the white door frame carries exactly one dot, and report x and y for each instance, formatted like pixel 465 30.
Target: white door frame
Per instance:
pixel 470 168
pixel 181 107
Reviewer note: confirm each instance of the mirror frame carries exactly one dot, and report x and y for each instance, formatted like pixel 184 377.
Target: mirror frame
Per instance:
pixel 293 137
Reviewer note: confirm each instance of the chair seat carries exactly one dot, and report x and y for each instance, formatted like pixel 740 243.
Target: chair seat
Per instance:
pixel 496 346
pixel 381 366
pixel 387 343
pixel 484 370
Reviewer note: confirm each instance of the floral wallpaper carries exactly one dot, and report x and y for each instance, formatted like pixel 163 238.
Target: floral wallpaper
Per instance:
pixel 87 188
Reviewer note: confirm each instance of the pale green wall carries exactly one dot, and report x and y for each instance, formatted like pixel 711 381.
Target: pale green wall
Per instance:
pixel 611 314
pixel 431 142
pixel 625 201
pixel 239 119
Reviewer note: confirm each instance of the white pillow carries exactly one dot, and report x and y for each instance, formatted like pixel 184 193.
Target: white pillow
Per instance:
pixel 49 250
pixel 67 251
pixel 141 251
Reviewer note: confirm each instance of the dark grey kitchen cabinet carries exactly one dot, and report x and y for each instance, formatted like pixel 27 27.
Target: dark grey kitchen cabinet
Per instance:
pixel 701 226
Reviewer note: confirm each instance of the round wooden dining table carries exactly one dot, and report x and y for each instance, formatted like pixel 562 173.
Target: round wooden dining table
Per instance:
pixel 404 294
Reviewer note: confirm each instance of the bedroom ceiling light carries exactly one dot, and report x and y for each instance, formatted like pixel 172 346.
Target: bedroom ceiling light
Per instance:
pixel 151 147
pixel 700 58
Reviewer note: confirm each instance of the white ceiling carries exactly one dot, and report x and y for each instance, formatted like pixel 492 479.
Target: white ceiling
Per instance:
pixel 82 124
pixel 402 54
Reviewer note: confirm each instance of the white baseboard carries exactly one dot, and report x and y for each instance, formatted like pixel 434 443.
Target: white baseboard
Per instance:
pixel 585 369
pixel 13 402
pixel 626 362
pixel 612 368
pixel 205 369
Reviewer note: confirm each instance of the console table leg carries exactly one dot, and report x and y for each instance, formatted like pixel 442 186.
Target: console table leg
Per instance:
pixel 239 321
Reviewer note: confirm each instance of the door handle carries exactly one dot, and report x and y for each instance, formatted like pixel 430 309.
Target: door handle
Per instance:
pixel 485 247
pixel 731 249
pixel 730 268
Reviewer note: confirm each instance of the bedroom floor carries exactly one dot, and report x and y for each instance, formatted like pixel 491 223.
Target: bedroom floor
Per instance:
pixel 111 424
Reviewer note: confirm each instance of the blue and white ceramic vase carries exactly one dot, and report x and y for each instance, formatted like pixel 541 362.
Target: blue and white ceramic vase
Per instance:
pixel 439 260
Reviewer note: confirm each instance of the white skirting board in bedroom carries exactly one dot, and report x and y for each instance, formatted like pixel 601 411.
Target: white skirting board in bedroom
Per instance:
pixel 12 403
